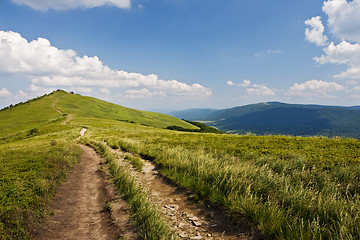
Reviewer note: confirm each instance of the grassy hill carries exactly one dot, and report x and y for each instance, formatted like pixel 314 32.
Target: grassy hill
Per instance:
pixel 37 149
pixel 60 105
pixel 81 106
pixel 284 119
pixel 194 113
pixel 289 187
pixel 32 114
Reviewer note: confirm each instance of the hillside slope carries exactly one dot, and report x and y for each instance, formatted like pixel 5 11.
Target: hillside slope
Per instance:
pixel 28 115
pixel 194 113
pixel 59 105
pixel 82 106
pixel 285 119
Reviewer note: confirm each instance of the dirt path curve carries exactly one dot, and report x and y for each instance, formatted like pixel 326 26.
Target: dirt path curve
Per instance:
pixel 79 206
pixel 68 117
pixel 188 219
pixel 57 109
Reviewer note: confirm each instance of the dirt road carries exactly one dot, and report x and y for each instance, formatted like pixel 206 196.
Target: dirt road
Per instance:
pixel 78 208
pixel 188 219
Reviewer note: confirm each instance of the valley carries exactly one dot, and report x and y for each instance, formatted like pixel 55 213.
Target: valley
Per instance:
pixel 276 118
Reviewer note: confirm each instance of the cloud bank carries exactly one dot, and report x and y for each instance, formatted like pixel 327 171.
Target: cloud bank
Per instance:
pixel 71 4
pixel 344 18
pixel 344 24
pixel 343 53
pixel 254 90
pixel 49 67
pixel 314 88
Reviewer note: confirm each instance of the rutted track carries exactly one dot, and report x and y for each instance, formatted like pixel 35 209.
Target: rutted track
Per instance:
pixel 79 206
pixel 188 219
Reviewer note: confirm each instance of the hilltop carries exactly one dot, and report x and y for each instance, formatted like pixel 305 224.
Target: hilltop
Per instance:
pixel 281 119
pixel 60 105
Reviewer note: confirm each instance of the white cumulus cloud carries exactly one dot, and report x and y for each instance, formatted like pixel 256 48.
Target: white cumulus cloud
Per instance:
pixel 316 33
pixel 344 18
pixel 344 23
pixel 38 90
pixel 5 93
pixel 143 93
pixel 71 4
pixel 343 53
pixel 230 83
pixel 245 83
pixel 260 90
pixel 314 88
pixel 49 67
pixel 21 95
pixel 8 97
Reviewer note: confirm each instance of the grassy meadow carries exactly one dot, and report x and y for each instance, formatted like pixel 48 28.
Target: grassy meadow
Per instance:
pixel 289 187
pixel 37 150
pixel 30 115
pixel 145 214
pixel 29 172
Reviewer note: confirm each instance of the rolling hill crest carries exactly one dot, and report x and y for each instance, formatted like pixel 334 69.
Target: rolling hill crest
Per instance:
pixel 281 119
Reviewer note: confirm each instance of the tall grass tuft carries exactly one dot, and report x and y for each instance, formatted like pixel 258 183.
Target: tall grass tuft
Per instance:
pixel 145 214
pixel 30 170
pixel 135 161
pixel 286 198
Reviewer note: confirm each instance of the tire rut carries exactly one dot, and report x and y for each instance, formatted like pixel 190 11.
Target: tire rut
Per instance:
pixel 78 208
pixel 188 219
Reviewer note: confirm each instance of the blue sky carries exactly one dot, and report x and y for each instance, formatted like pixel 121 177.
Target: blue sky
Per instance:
pixel 178 54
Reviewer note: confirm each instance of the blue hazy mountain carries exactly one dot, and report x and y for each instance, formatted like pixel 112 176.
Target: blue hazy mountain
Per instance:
pixel 281 118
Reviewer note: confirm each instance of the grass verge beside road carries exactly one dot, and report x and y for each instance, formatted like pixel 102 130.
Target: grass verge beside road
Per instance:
pixel 145 214
pixel 296 196
pixel 29 173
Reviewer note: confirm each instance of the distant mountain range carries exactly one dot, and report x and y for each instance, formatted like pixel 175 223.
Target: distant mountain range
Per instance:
pixel 281 118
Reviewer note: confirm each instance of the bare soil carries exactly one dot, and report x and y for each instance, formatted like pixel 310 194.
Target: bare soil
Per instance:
pixel 78 210
pixel 189 219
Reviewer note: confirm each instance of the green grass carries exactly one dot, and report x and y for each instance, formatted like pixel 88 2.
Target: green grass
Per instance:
pixel 201 128
pixel 90 107
pixel 42 111
pixel 135 161
pixel 29 172
pixel 37 149
pixel 290 187
pixel 28 116
pixel 145 214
